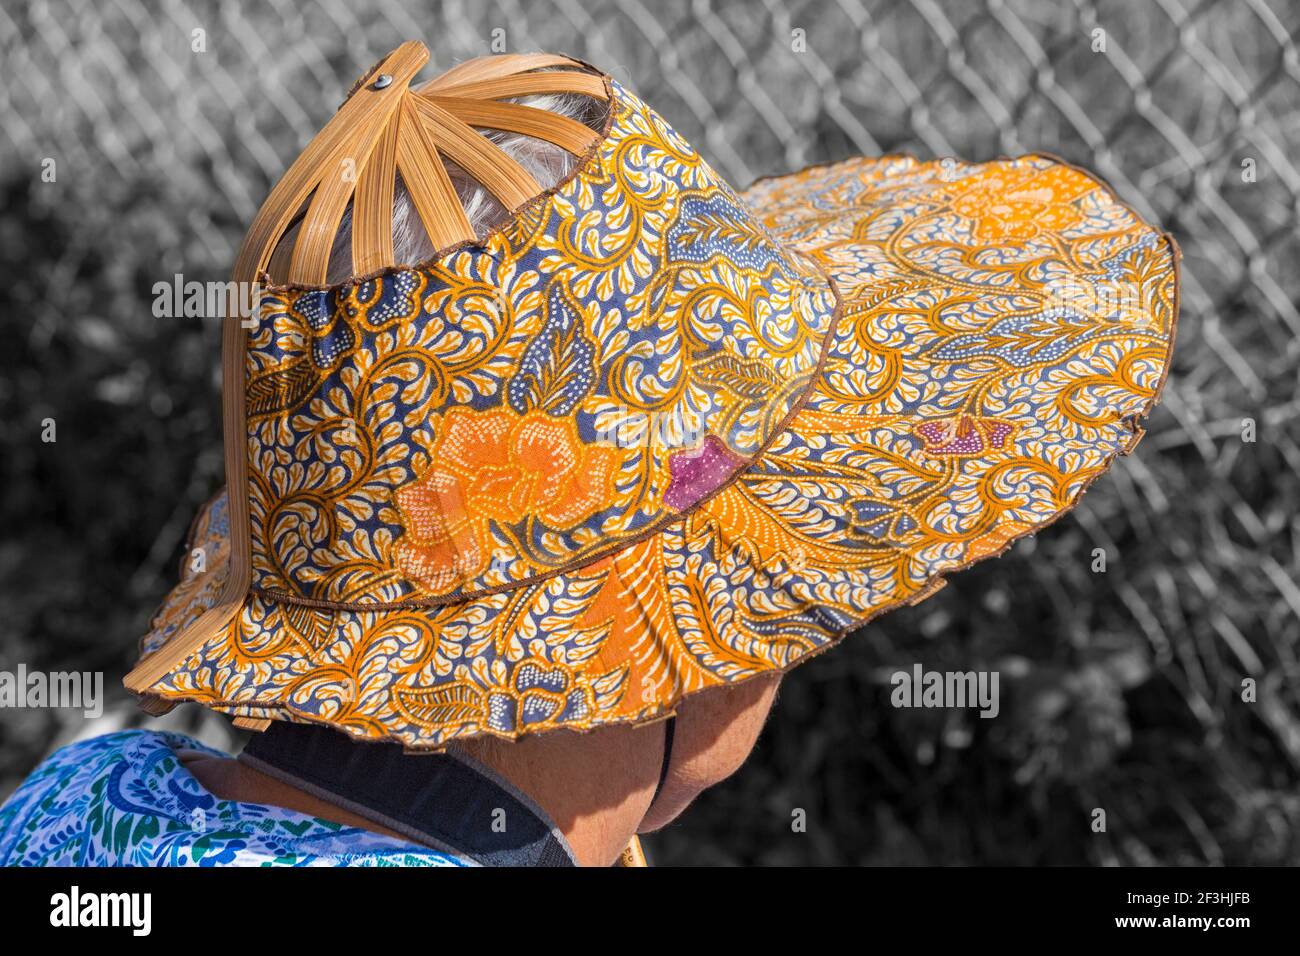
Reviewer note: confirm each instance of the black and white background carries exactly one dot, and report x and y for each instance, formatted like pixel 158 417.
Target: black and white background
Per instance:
pixel 1121 690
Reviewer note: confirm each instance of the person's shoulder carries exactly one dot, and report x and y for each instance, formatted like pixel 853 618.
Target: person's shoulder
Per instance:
pixel 73 771
pixel 73 808
pixel 115 746
pixel 126 799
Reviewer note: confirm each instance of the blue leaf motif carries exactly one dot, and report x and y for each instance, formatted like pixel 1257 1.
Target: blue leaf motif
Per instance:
pixel 558 368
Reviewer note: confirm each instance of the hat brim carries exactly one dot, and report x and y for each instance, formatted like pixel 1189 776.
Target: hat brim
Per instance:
pixel 1005 325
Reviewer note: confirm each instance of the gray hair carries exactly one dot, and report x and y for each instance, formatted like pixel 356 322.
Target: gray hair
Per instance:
pixel 546 162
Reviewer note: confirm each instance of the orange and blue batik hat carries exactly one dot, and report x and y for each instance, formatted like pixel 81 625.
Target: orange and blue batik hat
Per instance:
pixel 649 436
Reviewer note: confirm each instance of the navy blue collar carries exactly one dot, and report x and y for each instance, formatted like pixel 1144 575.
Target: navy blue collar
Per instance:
pixel 445 801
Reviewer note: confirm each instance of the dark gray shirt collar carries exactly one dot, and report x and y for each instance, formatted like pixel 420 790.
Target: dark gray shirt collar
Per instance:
pixel 446 801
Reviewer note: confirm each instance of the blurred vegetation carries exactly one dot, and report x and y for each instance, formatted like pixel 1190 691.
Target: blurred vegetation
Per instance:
pixel 1121 690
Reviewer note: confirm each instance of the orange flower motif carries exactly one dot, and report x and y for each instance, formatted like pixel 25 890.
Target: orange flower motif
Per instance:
pixel 1016 204
pixel 494 466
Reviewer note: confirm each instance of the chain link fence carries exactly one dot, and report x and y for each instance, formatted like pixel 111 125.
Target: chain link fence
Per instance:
pixel 165 124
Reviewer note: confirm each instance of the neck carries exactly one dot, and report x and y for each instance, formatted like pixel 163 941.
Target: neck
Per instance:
pixel 594 787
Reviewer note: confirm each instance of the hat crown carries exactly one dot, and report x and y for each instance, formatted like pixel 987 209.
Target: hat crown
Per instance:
pixel 388 129
pixel 594 368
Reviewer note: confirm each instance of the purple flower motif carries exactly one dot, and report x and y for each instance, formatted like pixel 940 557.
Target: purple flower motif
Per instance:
pixel 699 472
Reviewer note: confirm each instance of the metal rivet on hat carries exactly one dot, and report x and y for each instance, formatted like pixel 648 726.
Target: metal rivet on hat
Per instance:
pixel 383 80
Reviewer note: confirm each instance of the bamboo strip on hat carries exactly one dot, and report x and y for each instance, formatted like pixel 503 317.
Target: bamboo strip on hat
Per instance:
pixel 372 205
pixel 488 67
pixel 255 724
pixel 428 183
pixel 558 130
pixel 309 263
pixel 497 172
pixel 528 84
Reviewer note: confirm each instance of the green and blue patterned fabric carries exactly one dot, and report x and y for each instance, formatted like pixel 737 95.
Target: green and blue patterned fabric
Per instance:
pixel 125 799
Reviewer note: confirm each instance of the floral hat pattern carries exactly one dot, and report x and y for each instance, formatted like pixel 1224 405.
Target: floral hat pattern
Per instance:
pixel 655 436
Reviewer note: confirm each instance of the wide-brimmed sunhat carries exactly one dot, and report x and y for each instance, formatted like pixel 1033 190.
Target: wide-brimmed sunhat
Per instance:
pixel 648 436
